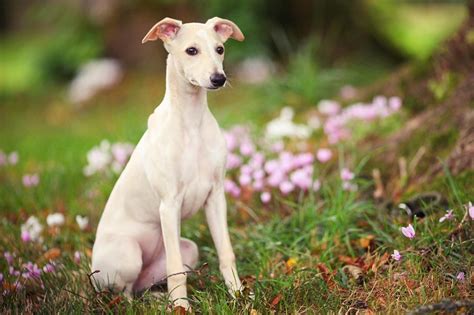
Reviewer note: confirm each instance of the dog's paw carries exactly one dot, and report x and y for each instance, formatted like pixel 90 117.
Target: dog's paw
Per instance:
pixel 181 306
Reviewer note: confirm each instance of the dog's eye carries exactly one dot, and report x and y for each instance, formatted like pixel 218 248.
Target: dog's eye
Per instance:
pixel 220 50
pixel 192 51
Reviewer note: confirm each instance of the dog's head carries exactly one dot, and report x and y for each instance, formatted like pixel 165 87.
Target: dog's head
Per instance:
pixel 197 48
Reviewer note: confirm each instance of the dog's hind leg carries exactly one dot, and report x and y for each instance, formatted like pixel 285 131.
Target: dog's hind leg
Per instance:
pixel 119 262
pixel 156 271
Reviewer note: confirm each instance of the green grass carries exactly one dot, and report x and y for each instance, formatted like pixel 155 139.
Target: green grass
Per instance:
pixel 293 255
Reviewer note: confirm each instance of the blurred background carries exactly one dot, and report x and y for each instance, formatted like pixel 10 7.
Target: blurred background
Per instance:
pixel 77 68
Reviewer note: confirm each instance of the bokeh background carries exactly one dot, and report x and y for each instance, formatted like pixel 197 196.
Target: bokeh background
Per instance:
pixel 394 78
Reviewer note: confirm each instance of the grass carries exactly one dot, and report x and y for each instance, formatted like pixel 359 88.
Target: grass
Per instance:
pixel 325 252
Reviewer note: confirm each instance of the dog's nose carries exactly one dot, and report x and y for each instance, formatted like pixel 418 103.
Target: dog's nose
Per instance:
pixel 218 79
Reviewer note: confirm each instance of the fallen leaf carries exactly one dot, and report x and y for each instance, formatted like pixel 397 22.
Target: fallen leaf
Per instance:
pixel 365 242
pixel 290 264
pixel 116 300
pixel 52 253
pixel 276 300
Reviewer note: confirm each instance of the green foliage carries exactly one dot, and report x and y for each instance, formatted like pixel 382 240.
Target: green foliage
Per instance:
pixel 442 87
pixel 415 30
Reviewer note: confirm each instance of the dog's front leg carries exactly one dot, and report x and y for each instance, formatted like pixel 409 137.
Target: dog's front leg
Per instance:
pixel 170 212
pixel 216 214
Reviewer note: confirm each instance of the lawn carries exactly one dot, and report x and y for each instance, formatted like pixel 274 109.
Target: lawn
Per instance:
pixel 308 248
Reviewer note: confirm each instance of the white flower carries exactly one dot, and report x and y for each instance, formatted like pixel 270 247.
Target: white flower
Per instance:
pixel 33 228
pixel 82 222
pixel 283 126
pixel 98 159
pixel 55 219
pixel 93 77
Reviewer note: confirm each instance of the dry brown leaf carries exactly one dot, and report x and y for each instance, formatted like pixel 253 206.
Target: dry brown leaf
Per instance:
pixel 365 242
pixel 276 300
pixel 52 253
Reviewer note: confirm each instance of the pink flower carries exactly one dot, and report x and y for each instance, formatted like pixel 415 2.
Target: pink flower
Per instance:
pixel 470 208
pixel 448 216
pixel 395 103
pixel 278 146
pixel 30 180
pixel 259 174
pixel 77 257
pixel 247 148
pixel 348 92
pixel 323 155
pixel 265 197
pixel 301 179
pixel 231 188
pixel 461 276
pixel 316 185
pixel 286 187
pixel 408 231
pixel 346 174
pixel 276 178
pixel 25 236
pixel 231 141
pixel 8 257
pixel 13 272
pixel 271 166
pixel 233 161
pixel 258 185
pixel 246 169
pixel 245 179
pixel 3 158
pixel 303 159
pixel 13 158
pixel 396 255
pixel 1 278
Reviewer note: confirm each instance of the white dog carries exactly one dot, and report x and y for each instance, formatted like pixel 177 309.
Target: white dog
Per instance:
pixel 177 167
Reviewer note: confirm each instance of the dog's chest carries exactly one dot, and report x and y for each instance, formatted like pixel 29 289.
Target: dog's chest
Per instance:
pixel 202 167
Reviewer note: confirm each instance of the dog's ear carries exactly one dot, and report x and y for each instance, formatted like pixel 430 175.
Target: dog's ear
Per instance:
pixel 165 30
pixel 226 29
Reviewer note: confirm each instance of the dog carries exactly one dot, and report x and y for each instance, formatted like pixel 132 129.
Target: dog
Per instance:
pixel 177 168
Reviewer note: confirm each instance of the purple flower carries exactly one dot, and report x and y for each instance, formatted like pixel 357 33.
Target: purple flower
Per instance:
pixel 396 255
pixel 470 208
pixel 461 276
pixel 323 155
pixel 408 231
pixel 1 277
pixel 346 174
pixel 265 197
pixel 13 272
pixel 49 268
pixel 231 141
pixel 448 216
pixel 278 146
pixel 25 236
pixel 30 180
pixel 8 257
pixel 32 270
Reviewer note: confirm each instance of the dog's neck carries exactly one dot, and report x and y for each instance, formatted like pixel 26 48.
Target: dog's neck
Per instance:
pixel 186 100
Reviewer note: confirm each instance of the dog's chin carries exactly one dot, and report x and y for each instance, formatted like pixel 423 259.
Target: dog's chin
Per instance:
pixel 213 88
